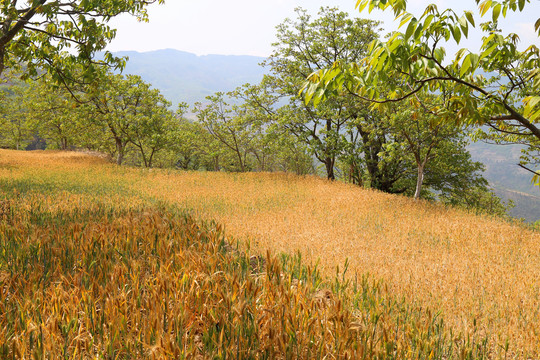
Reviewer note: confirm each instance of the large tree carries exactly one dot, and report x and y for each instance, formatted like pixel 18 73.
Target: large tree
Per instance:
pixel 236 127
pixel 498 86
pixel 308 44
pixel 15 129
pixel 54 114
pixel 132 113
pixel 56 34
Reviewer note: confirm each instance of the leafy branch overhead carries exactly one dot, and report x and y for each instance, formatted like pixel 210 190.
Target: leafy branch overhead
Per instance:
pixel 497 87
pixel 56 35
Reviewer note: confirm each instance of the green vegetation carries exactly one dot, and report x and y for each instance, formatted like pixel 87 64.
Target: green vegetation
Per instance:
pixel 413 62
pixel 403 148
pixel 35 36
pixel 103 261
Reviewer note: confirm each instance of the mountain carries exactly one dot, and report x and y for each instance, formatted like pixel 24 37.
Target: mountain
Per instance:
pixel 182 76
pixel 509 181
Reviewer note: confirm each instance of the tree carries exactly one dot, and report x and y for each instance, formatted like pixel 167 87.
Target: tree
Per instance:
pixel 235 126
pixel 410 151
pixel 38 34
pixel 508 101
pixel 191 145
pixel 133 114
pixel 370 149
pixel 15 128
pixel 55 116
pixel 306 45
pixel 424 136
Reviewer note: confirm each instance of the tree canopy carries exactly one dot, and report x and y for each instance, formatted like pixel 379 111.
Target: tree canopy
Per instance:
pixel 497 87
pixel 307 44
pixel 57 34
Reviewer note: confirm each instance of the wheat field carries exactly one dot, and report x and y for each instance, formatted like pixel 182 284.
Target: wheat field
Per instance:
pixel 481 274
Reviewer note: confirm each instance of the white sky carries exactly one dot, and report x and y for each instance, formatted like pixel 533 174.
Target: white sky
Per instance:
pixel 247 27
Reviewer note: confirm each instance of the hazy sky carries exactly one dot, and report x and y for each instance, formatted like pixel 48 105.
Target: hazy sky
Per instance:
pixel 247 27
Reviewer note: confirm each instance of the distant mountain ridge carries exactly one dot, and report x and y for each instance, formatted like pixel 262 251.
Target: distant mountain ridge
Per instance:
pixel 183 76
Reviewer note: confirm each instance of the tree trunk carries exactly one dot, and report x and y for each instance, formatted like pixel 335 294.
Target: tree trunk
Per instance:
pixel 239 155
pixel 64 143
pixel 329 164
pixel 216 163
pixel 151 158
pixel 143 155
pixel 419 181
pixel 2 58
pixel 120 151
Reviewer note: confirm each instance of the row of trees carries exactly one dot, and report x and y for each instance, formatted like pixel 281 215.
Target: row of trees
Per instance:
pixel 401 148
pixel 125 118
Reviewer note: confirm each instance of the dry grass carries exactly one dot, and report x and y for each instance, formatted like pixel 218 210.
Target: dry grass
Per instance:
pixel 482 273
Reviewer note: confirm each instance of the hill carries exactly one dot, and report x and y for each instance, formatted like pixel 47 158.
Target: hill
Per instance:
pixel 509 181
pixel 182 76
pixel 430 263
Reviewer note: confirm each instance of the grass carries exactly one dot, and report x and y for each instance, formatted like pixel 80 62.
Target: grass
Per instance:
pixel 88 248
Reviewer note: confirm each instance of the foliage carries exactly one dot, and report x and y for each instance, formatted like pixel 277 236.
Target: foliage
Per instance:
pixel 306 45
pixel 116 114
pixel 16 132
pixel 372 146
pixel 42 34
pixel 437 149
pixel 241 136
pixel 192 142
pixel 232 125
pixel 132 113
pixel 54 116
pixel 507 101
pixel 370 157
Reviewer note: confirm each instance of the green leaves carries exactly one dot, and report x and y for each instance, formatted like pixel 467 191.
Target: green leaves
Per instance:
pixel 465 66
pixel 405 18
pixel 410 29
pixel 498 84
pixel 484 7
pixel 531 108
pixel 456 33
pixel 488 51
pixel 41 42
pixel 496 12
pixel 470 17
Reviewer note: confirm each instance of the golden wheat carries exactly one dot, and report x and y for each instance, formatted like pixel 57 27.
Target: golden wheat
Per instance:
pixel 480 272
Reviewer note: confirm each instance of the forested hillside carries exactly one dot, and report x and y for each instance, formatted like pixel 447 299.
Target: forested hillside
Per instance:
pixel 509 181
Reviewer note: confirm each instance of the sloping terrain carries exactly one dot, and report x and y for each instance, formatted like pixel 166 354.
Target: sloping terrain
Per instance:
pixel 509 181
pixel 479 274
pixel 186 77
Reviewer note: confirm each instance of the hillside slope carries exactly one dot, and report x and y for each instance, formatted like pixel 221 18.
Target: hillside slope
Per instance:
pixel 509 181
pixel 481 272
pixel 182 76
